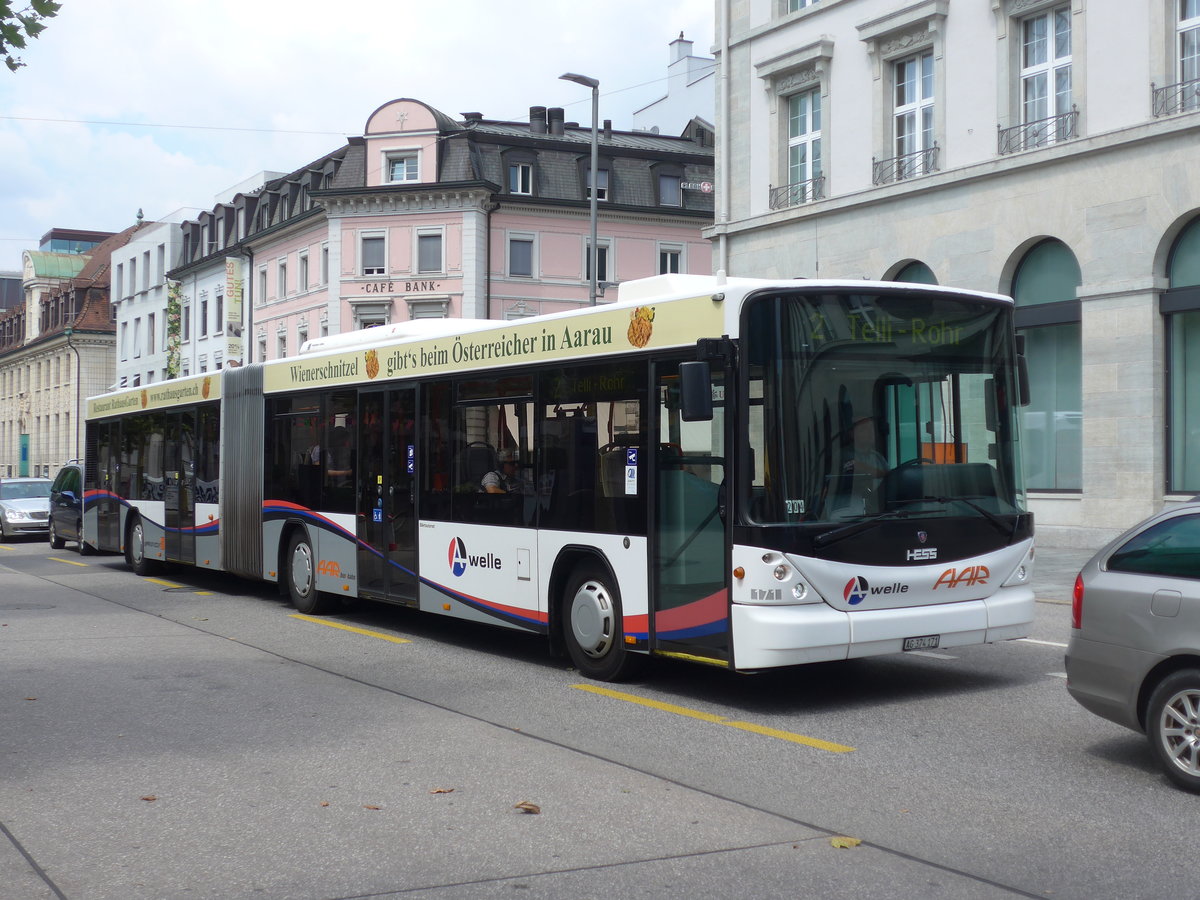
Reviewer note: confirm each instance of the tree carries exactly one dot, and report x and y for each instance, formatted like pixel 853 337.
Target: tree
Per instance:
pixel 17 27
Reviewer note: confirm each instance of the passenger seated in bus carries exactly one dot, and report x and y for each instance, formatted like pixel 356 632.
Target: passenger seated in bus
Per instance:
pixel 505 479
pixel 864 459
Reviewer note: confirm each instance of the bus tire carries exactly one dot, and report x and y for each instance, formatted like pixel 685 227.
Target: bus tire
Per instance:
pixel 302 576
pixel 135 549
pixel 592 627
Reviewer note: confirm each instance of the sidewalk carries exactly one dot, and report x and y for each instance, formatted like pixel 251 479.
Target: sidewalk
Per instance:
pixel 1054 571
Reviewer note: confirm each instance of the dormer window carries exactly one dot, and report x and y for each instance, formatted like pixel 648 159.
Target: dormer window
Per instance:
pixel 403 167
pixel 601 183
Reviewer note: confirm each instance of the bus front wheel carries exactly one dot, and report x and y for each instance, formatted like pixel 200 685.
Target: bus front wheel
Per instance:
pixel 302 577
pixel 592 626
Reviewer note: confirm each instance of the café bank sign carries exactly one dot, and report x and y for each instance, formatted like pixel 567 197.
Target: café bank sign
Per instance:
pixel 402 287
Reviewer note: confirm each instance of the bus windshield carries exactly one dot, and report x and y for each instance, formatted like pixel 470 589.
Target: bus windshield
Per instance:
pixel 872 405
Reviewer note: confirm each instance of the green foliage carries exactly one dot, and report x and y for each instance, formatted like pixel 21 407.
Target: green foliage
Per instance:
pixel 17 27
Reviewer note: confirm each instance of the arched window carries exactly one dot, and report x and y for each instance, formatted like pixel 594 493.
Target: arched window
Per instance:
pixel 1048 315
pixel 916 272
pixel 1180 306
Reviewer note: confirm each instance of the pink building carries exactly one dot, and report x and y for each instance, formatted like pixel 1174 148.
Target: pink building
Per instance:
pixel 426 216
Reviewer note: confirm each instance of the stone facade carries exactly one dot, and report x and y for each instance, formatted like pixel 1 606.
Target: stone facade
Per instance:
pixel 1117 191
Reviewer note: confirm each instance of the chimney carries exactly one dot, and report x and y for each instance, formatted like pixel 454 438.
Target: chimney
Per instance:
pixel 537 120
pixel 472 118
pixel 607 129
pixel 554 119
pixel 680 49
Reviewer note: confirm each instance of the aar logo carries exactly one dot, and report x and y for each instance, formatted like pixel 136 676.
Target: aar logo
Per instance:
pixel 457 556
pixel 856 590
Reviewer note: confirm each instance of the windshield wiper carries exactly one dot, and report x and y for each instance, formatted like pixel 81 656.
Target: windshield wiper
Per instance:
pixel 1000 525
pixel 825 538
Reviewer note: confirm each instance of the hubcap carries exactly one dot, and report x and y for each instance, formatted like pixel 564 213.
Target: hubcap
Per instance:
pixel 302 570
pixel 1179 730
pixel 136 544
pixel 592 620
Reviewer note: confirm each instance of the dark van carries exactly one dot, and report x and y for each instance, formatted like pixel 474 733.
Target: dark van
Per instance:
pixel 66 509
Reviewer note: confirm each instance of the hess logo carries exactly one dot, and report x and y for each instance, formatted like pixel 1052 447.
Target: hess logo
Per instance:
pixel 459 560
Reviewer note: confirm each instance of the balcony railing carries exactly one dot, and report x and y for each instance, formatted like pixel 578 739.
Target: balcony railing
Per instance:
pixel 909 165
pixel 798 193
pixel 1175 98
pixel 1038 133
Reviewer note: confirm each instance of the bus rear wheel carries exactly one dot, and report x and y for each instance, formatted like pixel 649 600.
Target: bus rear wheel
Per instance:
pixel 302 577
pixel 135 549
pixel 592 626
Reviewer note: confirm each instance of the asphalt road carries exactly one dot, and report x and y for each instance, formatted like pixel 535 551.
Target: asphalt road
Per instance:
pixel 190 736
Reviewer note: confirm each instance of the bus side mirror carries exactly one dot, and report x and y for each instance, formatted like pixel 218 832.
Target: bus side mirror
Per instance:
pixel 695 392
pixel 1022 373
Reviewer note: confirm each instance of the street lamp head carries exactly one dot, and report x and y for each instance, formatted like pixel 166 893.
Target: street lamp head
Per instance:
pixel 586 81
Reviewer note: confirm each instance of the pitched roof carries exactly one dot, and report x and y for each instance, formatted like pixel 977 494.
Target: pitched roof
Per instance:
pixel 56 265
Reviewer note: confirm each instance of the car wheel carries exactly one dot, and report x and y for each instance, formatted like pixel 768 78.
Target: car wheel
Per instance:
pixel 3 530
pixel 56 543
pixel 592 627
pixel 135 549
pixel 1173 727
pixel 302 577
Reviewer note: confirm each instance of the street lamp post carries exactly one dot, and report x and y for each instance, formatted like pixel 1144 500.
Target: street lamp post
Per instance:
pixel 594 84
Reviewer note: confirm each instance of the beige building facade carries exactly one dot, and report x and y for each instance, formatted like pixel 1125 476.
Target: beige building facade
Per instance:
pixel 995 146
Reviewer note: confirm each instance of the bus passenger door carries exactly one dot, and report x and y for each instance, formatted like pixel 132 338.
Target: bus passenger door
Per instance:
pixel 387 527
pixel 179 486
pixel 688 555
pixel 108 508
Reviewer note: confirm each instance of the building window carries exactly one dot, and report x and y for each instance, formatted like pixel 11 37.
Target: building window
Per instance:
pixel 281 279
pixel 261 297
pixel 219 312
pixel 669 258
pixel 150 334
pixel 262 348
pixel 373 254
pixel 324 264
pixel 794 5
pixel 429 252
pixel 601 184
pixel 185 323
pixel 119 281
pixel 1180 306
pixel 916 272
pixel 601 260
pixel 1048 315
pixel 302 273
pixel 402 167
pixel 520 255
pixel 301 335
pixel 1046 67
pixel 137 338
pixel 281 345
pixel 1189 50
pixel 913 113
pixel 520 178
pixel 203 321
pixel 670 190
pixel 804 147
pixel 124 343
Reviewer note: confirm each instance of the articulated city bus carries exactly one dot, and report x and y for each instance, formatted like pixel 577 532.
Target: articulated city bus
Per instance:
pixel 740 472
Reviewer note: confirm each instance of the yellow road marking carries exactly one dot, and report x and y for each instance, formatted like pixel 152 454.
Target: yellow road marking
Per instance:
pixel 6 547
pixel 340 626
pixel 169 584
pixel 715 719
pixel 69 562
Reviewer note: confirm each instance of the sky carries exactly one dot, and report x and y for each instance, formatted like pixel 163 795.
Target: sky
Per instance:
pixel 160 105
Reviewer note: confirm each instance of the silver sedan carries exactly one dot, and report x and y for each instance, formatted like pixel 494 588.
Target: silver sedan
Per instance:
pixel 1134 650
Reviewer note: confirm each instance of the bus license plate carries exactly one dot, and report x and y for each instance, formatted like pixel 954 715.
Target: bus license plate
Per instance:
pixel 924 642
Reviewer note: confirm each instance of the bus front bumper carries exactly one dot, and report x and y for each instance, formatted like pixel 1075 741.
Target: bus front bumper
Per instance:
pixel 770 636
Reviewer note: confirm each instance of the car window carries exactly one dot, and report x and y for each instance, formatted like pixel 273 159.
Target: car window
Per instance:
pixel 24 490
pixel 1169 548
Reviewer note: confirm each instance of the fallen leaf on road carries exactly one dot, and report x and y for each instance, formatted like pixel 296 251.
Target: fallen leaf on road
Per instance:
pixel 369 806
pixel 442 791
pixel 31 698
pixel 149 798
pixel 324 802
pixel 845 843
pixel 526 807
